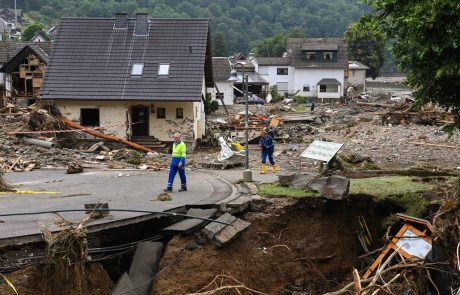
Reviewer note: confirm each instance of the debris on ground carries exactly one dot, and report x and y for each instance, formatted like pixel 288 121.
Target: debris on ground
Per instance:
pixel 164 197
pixel 74 168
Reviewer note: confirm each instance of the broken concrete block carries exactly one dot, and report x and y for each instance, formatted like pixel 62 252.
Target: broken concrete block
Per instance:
pixel 297 180
pixel 214 228
pixel 145 265
pixel 190 224
pixel 95 147
pixel 230 232
pixel 124 286
pixel 332 187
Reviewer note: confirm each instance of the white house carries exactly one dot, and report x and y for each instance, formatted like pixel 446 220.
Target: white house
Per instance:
pixel 313 67
pixel 357 73
pixel 221 69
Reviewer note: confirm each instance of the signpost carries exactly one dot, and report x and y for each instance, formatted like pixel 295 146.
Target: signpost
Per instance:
pixel 323 151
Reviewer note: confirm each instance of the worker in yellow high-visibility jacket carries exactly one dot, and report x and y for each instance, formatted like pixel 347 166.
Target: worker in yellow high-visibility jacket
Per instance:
pixel 179 152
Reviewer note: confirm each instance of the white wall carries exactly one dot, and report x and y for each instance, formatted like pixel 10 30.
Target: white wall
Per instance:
pixel 115 113
pixel 225 87
pixel 357 77
pixel 311 77
pixel 269 73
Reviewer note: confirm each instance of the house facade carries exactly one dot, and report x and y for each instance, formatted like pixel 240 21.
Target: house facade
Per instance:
pixel 357 73
pixel 313 67
pixel 134 77
pixel 22 67
pixel 12 18
pixel 222 69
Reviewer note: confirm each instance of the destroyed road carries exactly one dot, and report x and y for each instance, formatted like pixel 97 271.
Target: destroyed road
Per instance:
pixel 122 189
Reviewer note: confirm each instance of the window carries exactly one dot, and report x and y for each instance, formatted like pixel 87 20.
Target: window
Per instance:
pixel 137 70
pixel 89 117
pixel 328 55
pixel 161 113
pixel 179 113
pixel 306 88
pixel 311 55
pixel 163 69
pixel 282 71
pixel 282 86
pixel 322 88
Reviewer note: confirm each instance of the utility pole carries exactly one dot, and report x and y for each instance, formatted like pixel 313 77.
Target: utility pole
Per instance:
pixel 15 15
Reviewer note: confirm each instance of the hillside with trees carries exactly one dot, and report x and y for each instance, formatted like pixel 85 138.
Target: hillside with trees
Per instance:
pixel 241 24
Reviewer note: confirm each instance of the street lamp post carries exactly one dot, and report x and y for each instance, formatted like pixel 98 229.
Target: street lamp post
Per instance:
pixel 247 173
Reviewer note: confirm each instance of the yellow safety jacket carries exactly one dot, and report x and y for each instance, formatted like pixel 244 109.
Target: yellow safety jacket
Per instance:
pixel 179 150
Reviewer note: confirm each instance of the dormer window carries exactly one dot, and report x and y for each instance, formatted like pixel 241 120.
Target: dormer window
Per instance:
pixel 328 55
pixel 311 55
pixel 163 70
pixel 137 70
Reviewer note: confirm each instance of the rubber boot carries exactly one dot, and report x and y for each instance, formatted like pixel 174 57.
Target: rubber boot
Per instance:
pixel 274 168
pixel 264 169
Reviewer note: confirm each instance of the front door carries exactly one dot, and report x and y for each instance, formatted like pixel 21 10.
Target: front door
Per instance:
pixel 140 119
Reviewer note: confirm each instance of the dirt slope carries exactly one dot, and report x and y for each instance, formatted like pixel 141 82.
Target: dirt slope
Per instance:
pixel 287 240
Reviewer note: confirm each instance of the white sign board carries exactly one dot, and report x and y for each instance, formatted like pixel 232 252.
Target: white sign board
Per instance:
pixel 414 245
pixel 321 150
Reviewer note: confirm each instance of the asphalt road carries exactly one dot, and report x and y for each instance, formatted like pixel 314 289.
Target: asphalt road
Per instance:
pixel 121 189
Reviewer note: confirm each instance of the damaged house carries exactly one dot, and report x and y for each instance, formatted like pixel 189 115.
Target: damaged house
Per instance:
pixel 312 67
pixel 137 78
pixel 23 66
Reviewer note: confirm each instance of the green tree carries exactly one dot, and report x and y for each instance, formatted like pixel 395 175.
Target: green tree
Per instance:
pixel 31 30
pixel 366 43
pixel 276 45
pixel 427 47
pixel 219 45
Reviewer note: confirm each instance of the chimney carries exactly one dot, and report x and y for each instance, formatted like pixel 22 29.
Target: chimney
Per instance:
pixel 121 21
pixel 142 24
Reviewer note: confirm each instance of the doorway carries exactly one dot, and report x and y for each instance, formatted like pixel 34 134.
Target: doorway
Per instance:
pixel 140 120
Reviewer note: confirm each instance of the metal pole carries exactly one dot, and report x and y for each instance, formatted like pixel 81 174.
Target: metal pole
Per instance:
pixel 15 15
pixel 246 121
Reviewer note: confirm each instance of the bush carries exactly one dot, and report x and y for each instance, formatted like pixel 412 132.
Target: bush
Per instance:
pixel 299 99
pixel 210 105
pixel 275 95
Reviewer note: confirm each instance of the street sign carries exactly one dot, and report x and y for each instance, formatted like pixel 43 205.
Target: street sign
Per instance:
pixel 321 150
pixel 219 95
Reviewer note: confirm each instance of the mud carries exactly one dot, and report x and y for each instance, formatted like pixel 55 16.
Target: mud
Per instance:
pixel 309 241
pixel 32 281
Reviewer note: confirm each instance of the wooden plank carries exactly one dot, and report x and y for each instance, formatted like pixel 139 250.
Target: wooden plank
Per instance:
pixel 435 145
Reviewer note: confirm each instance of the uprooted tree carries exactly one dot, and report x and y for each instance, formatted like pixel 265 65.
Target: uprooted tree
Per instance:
pixel 427 47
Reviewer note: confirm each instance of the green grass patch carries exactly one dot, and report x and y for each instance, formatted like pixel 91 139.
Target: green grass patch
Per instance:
pixel 272 190
pixel 401 190
pixel 300 109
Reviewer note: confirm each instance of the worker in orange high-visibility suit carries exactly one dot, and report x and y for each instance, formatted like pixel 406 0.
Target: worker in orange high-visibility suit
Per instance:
pixel 179 152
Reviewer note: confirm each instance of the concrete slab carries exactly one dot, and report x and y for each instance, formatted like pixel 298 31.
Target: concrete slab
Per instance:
pixel 125 286
pixel 230 232
pixel 213 228
pixel 145 265
pixel 186 226
pixel 120 189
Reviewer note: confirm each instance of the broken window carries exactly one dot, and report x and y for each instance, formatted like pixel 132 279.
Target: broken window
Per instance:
pixel 328 55
pixel 137 70
pixel 179 113
pixel 306 88
pixel 163 69
pixel 322 88
pixel 282 71
pixel 311 55
pixel 89 117
pixel 161 113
